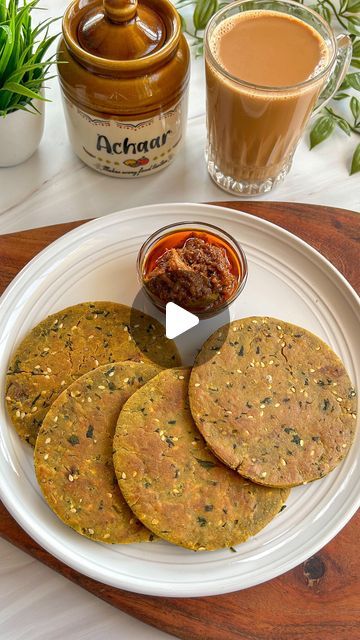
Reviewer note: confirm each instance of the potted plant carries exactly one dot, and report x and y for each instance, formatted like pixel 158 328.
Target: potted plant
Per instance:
pixel 24 67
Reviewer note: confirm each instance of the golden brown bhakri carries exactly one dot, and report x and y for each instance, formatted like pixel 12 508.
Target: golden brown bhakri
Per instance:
pixel 273 401
pixel 171 480
pixel 71 342
pixel 73 453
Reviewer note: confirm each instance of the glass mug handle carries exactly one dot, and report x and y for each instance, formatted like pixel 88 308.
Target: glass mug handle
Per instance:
pixel 338 72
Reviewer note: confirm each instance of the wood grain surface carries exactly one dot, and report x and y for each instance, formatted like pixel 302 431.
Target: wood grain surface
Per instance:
pixel 318 600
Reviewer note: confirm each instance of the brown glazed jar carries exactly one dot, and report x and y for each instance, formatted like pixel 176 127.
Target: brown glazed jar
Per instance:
pixel 124 72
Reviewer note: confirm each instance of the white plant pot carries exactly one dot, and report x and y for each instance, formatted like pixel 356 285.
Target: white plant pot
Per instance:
pixel 20 135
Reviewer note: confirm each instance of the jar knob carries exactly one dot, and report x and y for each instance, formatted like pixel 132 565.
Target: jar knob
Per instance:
pixel 120 10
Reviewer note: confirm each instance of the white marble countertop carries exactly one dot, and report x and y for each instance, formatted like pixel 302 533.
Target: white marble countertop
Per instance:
pixel 53 187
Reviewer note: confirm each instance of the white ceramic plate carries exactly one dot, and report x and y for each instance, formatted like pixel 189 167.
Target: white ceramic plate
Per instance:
pixel 287 279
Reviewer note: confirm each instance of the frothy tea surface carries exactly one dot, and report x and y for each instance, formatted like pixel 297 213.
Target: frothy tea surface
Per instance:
pixel 268 48
pixel 252 133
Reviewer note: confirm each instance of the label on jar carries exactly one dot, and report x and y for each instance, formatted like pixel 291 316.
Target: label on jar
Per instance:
pixel 126 149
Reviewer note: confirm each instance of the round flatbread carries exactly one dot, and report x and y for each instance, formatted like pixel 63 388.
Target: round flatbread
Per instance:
pixel 73 454
pixel 273 402
pixel 71 342
pixel 171 480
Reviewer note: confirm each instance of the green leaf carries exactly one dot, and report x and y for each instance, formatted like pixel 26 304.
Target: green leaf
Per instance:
pixel 44 46
pixel 343 5
pixel 6 29
pixel 22 90
pixel 23 17
pixel 354 80
pixel 204 10
pixel 342 124
pixel 325 12
pixel 30 108
pixel 2 10
pixel 44 25
pixel 354 20
pixel 322 129
pixel 355 63
pixel 353 28
pixel 345 83
pixel 8 48
pixel 341 96
pixel 4 35
pixel 355 163
pixel 355 107
pixel 18 75
pixel 356 48
pixel 353 6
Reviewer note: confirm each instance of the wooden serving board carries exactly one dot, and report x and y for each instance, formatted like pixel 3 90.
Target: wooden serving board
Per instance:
pixel 319 599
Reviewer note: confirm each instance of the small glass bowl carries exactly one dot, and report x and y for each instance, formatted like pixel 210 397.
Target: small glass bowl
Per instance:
pixel 224 239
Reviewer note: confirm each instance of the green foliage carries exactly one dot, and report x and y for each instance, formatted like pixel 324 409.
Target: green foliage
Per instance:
pixel 345 14
pixel 322 129
pixel 24 65
pixel 203 11
pixel 355 164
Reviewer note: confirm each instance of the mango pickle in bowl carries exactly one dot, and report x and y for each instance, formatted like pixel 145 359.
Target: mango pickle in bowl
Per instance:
pixel 197 266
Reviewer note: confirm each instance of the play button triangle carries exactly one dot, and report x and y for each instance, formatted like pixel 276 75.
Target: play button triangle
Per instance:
pixel 178 320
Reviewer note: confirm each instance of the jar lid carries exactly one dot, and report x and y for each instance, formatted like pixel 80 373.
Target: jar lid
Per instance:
pixel 121 30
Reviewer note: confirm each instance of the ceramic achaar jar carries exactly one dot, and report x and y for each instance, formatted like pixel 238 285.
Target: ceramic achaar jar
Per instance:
pixel 124 75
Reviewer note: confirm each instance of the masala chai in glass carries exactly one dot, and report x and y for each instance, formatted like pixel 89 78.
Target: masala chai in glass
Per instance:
pixel 265 69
